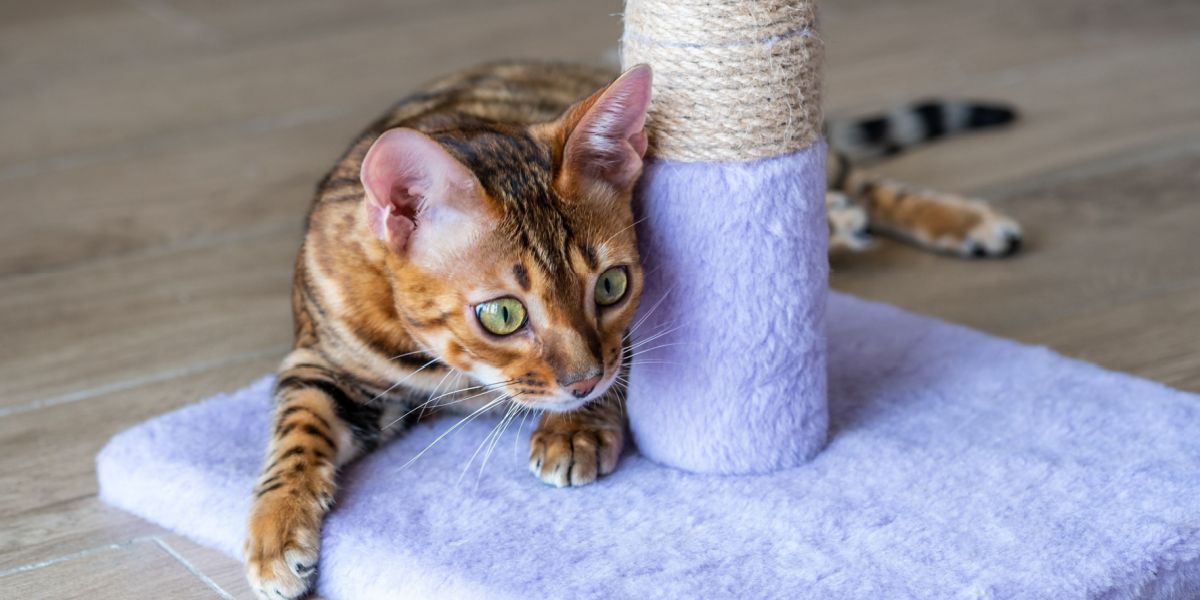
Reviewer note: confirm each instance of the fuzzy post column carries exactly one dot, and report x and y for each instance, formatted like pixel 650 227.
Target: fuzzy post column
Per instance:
pixel 728 367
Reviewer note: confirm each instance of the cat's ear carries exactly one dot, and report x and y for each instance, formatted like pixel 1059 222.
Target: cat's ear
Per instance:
pixel 419 197
pixel 607 139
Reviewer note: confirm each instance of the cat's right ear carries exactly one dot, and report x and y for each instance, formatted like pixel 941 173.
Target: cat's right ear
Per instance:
pixel 607 137
pixel 420 199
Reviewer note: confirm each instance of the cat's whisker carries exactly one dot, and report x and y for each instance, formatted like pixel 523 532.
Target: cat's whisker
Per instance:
pixel 662 330
pixel 653 337
pixel 401 382
pixel 504 423
pixel 482 443
pixel 641 351
pixel 525 410
pixel 643 319
pixel 452 428
pixel 656 362
pixel 645 352
pixel 623 229
pixel 634 349
pixel 398 356
pixel 494 437
pixel 491 387
pixel 434 391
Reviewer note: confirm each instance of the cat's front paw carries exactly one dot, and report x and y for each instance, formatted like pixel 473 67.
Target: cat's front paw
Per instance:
pixel 282 547
pixel 564 452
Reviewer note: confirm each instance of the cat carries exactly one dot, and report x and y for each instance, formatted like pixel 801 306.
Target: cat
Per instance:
pixel 472 251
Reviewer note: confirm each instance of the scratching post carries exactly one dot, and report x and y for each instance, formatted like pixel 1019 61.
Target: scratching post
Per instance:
pixel 728 374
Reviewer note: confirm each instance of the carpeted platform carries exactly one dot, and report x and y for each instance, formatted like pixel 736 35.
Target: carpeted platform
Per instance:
pixel 959 466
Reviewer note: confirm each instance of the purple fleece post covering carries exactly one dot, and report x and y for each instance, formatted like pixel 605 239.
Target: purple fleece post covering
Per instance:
pixel 958 466
pixel 729 367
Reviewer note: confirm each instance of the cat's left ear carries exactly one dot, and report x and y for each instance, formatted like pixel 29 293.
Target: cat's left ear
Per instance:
pixel 607 139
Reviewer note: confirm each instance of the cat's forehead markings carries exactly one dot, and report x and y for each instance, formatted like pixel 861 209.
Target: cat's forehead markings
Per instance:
pixel 522 276
pixel 589 256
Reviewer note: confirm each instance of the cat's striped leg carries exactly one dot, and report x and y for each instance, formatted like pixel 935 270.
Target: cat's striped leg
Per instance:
pixel 318 426
pixel 942 222
pixel 574 448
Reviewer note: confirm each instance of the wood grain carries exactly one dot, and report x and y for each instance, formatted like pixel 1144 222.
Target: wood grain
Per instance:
pixel 135 570
pixel 46 454
pixel 69 333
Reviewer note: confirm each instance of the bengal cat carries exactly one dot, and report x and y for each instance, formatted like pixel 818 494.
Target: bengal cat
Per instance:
pixel 473 251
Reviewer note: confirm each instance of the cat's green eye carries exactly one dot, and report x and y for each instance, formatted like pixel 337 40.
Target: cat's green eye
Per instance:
pixel 610 288
pixel 501 316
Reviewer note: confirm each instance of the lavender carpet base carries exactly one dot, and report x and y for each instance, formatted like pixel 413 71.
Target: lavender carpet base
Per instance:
pixel 958 466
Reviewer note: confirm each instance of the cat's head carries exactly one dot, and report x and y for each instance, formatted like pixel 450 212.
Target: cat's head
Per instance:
pixel 512 248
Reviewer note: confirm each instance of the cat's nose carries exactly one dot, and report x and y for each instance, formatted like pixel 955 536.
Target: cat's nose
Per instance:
pixel 582 384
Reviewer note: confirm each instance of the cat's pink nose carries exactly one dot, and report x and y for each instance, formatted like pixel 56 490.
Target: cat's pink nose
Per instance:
pixel 583 386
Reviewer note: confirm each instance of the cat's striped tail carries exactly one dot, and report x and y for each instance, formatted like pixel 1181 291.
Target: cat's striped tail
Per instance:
pixel 875 136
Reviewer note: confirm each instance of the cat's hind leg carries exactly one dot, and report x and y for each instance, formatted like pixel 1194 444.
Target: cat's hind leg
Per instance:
pixel 938 221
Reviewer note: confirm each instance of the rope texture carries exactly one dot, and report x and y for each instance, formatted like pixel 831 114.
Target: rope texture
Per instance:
pixel 734 80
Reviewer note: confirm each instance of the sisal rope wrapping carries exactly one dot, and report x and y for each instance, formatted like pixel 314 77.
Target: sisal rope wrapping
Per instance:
pixel 734 80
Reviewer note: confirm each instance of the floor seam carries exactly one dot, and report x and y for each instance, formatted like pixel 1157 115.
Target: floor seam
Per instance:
pixel 192 569
pixel 70 557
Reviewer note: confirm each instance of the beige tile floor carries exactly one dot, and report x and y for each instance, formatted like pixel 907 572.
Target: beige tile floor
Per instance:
pixel 157 156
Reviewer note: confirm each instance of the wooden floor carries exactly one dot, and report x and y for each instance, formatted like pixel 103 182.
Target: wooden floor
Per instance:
pixel 157 157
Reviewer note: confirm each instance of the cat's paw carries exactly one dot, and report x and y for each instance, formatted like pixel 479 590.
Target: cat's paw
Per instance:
pixel 994 235
pixel 565 453
pixel 282 547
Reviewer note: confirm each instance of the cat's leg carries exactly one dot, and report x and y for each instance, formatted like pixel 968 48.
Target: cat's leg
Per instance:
pixel 848 222
pixel 318 426
pixel 574 448
pixel 938 221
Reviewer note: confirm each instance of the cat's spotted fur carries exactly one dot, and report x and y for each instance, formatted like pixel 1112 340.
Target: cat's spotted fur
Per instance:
pixel 494 182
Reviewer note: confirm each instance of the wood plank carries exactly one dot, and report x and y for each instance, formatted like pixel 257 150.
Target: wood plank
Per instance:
pixel 49 532
pixel 70 334
pixel 1154 337
pixel 209 185
pixel 47 456
pixel 136 570
pixel 83 117
pixel 134 156
pixel 65 38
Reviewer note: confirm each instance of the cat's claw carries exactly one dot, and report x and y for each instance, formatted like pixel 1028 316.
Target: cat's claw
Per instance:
pixel 563 456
